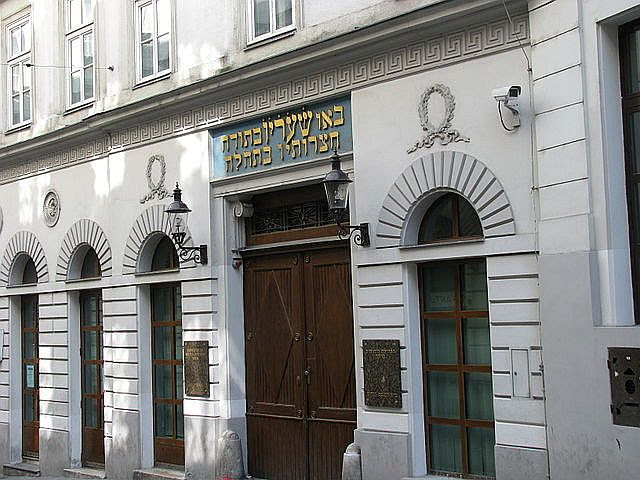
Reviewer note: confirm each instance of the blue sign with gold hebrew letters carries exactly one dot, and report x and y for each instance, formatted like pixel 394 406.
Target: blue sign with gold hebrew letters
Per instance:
pixel 283 138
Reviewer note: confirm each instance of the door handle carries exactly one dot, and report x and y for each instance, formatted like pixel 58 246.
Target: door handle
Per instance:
pixel 307 373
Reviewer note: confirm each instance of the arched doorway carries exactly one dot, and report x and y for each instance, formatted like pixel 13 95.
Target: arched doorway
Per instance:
pixel 456 349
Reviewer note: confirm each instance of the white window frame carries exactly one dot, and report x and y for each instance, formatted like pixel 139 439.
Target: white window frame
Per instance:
pixel 20 58
pixel 139 4
pixel 273 31
pixel 73 33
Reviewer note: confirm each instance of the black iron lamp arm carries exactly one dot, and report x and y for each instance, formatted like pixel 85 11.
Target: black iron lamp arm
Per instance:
pixel 359 233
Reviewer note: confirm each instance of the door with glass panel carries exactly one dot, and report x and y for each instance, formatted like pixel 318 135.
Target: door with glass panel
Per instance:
pixel 166 346
pixel 30 369
pixel 457 368
pixel 92 384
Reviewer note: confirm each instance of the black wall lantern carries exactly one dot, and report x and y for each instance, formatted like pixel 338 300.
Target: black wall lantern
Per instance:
pixel 336 185
pixel 178 214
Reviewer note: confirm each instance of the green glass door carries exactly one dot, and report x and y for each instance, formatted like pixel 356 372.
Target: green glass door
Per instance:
pixel 166 340
pixel 30 370
pixel 92 384
pixel 457 368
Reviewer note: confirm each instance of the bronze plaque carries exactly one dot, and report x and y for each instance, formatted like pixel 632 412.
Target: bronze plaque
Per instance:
pixel 196 368
pixel 382 385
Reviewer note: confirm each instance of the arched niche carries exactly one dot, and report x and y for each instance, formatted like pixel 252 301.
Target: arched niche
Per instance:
pixel 84 264
pixel 158 253
pixel 426 180
pixel 21 248
pixel 83 235
pixel 147 231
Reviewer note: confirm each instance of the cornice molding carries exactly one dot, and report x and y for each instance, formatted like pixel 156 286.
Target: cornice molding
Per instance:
pixel 396 61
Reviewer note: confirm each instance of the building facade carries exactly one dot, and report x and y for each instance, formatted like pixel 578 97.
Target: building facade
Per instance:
pixel 488 329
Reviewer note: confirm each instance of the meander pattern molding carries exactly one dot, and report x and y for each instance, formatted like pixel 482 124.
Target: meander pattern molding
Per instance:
pixel 84 232
pixel 152 220
pixel 24 242
pixel 452 171
pixel 422 55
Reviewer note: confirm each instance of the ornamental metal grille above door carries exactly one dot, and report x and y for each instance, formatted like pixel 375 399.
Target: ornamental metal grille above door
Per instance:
pixel 295 215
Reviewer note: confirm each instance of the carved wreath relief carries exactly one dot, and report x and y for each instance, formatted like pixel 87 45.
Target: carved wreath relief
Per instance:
pixel 444 131
pixel 51 208
pixel 156 189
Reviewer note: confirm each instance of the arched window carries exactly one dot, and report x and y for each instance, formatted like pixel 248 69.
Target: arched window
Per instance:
pixel 164 256
pixel 29 275
pixel 451 217
pixel 91 265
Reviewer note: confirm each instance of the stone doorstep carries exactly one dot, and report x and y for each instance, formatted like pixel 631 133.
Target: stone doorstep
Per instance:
pixel 84 472
pixel 158 473
pixel 27 469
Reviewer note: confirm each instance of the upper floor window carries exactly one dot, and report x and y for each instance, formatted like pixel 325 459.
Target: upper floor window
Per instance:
pixel 18 67
pixel 80 51
pixel 153 38
pixel 630 57
pixel 450 218
pixel 270 17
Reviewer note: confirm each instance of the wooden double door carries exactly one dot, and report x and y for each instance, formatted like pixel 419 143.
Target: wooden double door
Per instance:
pixel 301 396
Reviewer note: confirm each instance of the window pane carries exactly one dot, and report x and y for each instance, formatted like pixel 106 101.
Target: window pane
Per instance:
pixel 481 443
pixel 16 86
pixel 469 222
pixel 76 53
pixel 162 304
pixel 178 341
pixel 441 341
pixel 90 346
pixel 261 16
pixel 146 22
pixel 473 286
pixel 162 381
pixel 445 448
pixel 15 109
pixel 147 59
pixel 633 58
pixel 87 10
pixel 163 420
pixel 476 342
pixel 75 15
pixel 439 282
pixel 91 378
pixel 438 222
pixel 16 45
pixel 444 400
pixel 88 82
pixel 29 408
pixel 87 49
pixel 633 141
pixel 478 396
pixel 26 106
pixel 164 17
pixel 162 345
pixel 89 310
pixel 163 53
pixel 75 87
pixel 29 345
pixel 26 76
pixel 180 422
pixel 90 413
pixel 177 302
pixel 179 387
pixel 25 36
pixel 284 13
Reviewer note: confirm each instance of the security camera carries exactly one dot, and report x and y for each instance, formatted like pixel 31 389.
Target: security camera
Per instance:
pixel 509 96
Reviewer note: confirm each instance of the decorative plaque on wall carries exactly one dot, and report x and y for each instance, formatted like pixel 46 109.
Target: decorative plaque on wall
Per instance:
pixel 196 368
pixel 382 385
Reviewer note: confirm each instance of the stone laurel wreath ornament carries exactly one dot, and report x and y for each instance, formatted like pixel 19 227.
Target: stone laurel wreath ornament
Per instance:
pixel 443 132
pixel 51 208
pixel 157 189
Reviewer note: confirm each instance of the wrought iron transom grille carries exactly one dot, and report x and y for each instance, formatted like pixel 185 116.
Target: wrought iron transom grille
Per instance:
pixel 292 217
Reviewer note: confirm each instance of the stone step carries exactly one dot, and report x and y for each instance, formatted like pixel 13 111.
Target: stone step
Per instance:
pixel 26 469
pixel 158 473
pixel 84 472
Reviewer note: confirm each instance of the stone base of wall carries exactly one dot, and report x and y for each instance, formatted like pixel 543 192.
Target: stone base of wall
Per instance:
pixel 123 455
pixel 54 452
pixel 385 456
pixel 517 463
